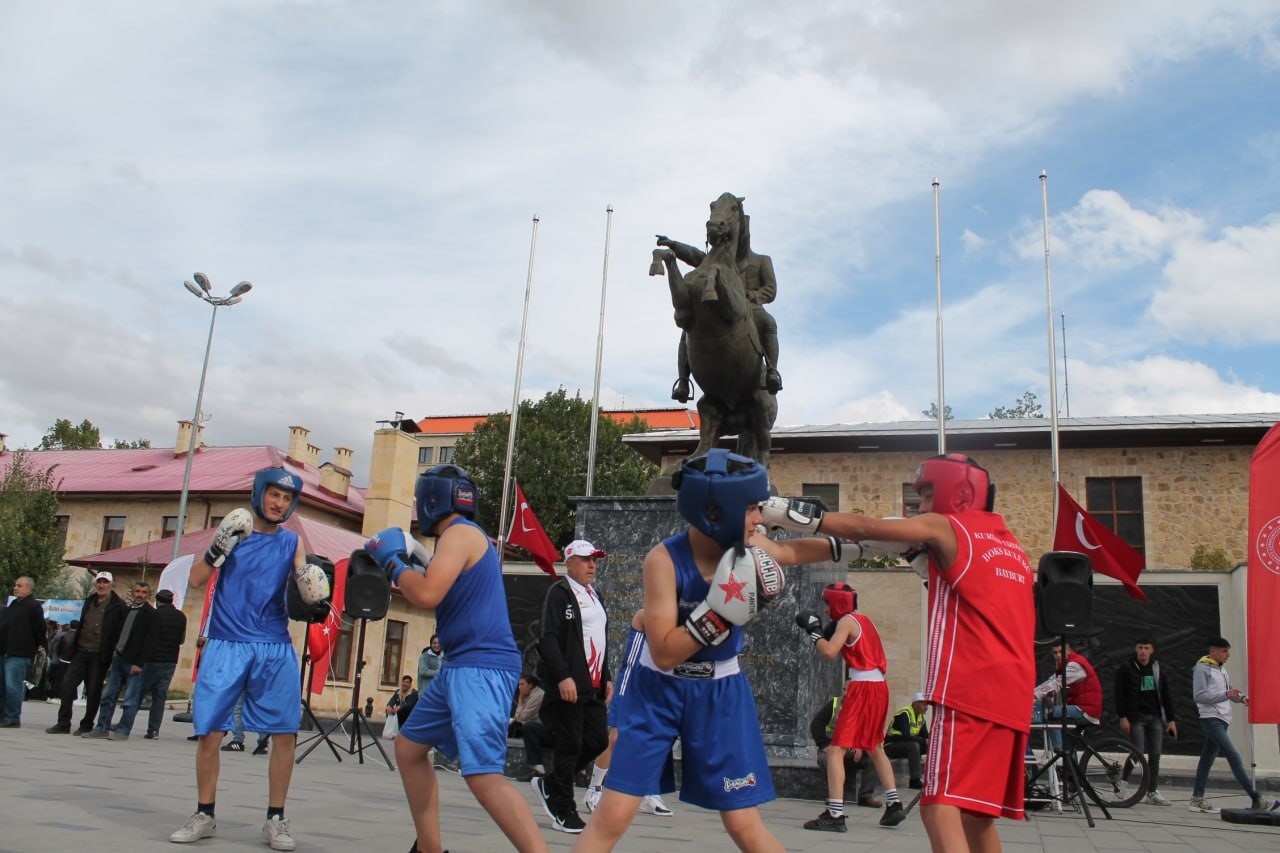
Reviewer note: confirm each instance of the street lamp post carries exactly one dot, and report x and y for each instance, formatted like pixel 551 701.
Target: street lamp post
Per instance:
pixel 201 292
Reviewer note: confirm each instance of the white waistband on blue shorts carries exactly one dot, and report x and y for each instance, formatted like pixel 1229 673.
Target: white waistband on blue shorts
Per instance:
pixel 695 669
pixel 866 675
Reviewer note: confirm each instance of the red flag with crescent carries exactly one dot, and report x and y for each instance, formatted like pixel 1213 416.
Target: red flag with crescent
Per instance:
pixel 322 637
pixel 527 533
pixel 1264 579
pixel 1079 531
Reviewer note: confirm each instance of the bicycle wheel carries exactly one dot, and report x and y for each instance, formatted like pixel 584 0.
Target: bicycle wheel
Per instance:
pixel 1115 773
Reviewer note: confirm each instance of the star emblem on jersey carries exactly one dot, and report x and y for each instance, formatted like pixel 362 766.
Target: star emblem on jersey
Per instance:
pixel 733 589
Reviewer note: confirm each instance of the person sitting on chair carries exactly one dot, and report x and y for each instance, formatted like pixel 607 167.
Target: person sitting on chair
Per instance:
pixel 908 737
pixel 1084 692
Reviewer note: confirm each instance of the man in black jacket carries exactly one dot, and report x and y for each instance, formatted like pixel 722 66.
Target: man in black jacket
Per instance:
pixel 575 672
pixel 22 635
pixel 1146 709
pixel 124 673
pixel 101 619
pixel 160 655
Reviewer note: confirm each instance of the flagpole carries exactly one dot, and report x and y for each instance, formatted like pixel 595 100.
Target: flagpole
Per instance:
pixel 1066 378
pixel 515 396
pixel 1053 347
pixel 937 275
pixel 595 396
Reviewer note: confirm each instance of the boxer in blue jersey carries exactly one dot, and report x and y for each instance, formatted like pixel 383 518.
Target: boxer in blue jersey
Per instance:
pixel 686 682
pixel 249 649
pixel 463 713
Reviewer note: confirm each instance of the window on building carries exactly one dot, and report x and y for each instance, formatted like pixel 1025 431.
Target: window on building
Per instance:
pixel 64 523
pixel 910 501
pixel 828 493
pixel 1117 503
pixel 169 527
pixel 340 663
pixel 393 654
pixel 426 455
pixel 215 520
pixel 112 532
pixel 446 455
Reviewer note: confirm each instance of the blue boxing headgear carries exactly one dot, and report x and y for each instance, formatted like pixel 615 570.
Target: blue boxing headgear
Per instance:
pixel 442 490
pixel 714 492
pixel 281 479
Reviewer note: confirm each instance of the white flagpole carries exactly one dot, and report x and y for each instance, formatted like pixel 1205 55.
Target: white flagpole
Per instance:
pixel 515 397
pixel 937 274
pixel 595 396
pixel 1053 347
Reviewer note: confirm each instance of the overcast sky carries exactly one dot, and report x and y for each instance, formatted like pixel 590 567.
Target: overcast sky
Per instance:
pixel 374 168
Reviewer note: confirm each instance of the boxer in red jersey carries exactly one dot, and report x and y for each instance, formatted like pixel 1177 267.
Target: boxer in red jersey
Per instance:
pixel 981 660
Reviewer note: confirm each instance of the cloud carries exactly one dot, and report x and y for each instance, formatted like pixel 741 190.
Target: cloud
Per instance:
pixel 1161 385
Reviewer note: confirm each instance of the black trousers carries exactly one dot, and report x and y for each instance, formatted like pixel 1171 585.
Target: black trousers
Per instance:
pixel 908 749
pixel 579 732
pixel 90 669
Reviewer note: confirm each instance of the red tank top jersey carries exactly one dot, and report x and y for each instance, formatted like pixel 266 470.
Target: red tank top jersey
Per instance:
pixel 866 652
pixel 1085 695
pixel 982 623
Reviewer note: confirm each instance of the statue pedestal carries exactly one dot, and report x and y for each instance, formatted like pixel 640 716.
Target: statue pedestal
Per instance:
pixel 788 678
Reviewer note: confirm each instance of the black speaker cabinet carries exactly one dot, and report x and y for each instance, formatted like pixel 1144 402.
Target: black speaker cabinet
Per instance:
pixel 1065 592
pixel 368 590
pixel 309 613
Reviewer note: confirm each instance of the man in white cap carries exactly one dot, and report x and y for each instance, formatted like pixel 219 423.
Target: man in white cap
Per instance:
pixel 101 619
pixel 575 675
pixel 908 737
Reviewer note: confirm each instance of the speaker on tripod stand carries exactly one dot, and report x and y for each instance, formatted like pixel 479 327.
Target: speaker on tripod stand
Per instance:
pixel 1064 592
pixel 368 595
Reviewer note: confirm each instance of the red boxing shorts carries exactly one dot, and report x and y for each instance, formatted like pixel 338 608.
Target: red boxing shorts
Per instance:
pixel 976 765
pixel 861 722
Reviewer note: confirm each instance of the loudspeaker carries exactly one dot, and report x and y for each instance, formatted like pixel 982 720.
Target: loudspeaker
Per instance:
pixel 1065 592
pixel 309 612
pixel 368 590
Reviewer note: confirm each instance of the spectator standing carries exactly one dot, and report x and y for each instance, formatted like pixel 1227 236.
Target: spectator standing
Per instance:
pixel 125 671
pixel 23 634
pixel 100 621
pixel 1145 709
pixel 60 656
pixel 167 634
pixel 429 663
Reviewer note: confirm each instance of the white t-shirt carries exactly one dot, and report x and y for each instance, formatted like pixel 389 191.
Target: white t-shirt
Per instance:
pixel 594 620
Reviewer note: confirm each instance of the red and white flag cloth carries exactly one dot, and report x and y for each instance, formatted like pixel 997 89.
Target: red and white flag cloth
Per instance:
pixel 1264 579
pixel 527 533
pixel 1076 530
pixel 209 588
pixel 322 637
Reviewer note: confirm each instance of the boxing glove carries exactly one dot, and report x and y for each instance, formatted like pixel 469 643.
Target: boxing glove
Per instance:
pixel 810 623
pixel 790 514
pixel 312 583
pixel 745 582
pixel 233 530
pixel 396 552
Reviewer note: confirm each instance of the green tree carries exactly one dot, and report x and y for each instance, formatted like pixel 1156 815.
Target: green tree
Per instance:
pixel 30 542
pixel 551 461
pixel 136 444
pixel 932 412
pixel 1025 406
pixel 63 436
pixel 1209 559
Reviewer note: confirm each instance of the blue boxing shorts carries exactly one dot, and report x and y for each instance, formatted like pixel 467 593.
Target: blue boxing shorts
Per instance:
pixel 464 713
pixel 715 718
pixel 267 675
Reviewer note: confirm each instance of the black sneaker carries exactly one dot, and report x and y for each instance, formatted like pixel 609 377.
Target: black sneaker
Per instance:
pixel 151 735
pixel 82 731
pixel 260 749
pixel 570 823
pixel 894 814
pixel 826 823
pixel 234 746
pixel 538 783
pixel 916 784
pixel 59 729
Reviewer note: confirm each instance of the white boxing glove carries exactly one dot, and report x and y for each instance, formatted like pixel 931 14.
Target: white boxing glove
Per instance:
pixel 790 514
pixel 744 583
pixel 233 530
pixel 312 582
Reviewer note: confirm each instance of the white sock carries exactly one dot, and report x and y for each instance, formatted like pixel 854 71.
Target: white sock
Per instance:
pixel 540 769
pixel 597 775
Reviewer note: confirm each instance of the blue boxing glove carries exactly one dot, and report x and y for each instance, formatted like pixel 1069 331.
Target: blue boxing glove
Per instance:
pixel 391 549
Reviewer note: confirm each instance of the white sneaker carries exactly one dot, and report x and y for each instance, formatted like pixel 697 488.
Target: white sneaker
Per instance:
pixel 653 804
pixel 1199 806
pixel 199 825
pixel 276 833
pixel 593 798
pixel 1155 798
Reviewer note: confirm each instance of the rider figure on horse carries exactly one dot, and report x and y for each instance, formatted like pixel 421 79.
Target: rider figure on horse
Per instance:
pixel 761 287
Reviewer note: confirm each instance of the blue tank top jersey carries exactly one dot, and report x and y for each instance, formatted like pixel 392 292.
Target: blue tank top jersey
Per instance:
pixel 691 590
pixel 249 600
pixel 472 620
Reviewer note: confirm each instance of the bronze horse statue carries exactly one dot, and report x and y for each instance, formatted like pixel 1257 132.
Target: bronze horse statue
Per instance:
pixel 726 357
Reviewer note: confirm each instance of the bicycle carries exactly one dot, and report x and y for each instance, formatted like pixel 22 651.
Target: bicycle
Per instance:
pixel 1111 772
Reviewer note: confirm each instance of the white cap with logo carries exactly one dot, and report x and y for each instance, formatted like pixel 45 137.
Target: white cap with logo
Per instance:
pixel 582 548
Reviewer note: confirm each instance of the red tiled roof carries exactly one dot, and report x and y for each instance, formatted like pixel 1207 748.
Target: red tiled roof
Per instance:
pixel 215 470
pixel 318 538
pixel 676 417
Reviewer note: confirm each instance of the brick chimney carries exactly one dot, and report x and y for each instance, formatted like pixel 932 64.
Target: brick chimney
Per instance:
pixel 335 476
pixel 2 438
pixel 183 441
pixel 299 448
pixel 393 471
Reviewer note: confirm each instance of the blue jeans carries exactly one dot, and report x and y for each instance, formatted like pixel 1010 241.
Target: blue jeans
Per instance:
pixel 120 678
pixel 15 688
pixel 1147 733
pixel 1054 715
pixel 155 683
pixel 1216 741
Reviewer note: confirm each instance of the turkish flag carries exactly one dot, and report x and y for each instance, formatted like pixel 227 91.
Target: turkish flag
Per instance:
pixel 209 588
pixel 1078 531
pixel 527 533
pixel 322 637
pixel 1264 579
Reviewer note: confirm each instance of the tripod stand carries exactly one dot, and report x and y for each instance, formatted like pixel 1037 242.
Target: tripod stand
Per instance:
pixel 360 727
pixel 311 722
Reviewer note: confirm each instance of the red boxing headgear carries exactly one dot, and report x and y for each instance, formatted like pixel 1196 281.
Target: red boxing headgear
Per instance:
pixel 958 482
pixel 841 599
